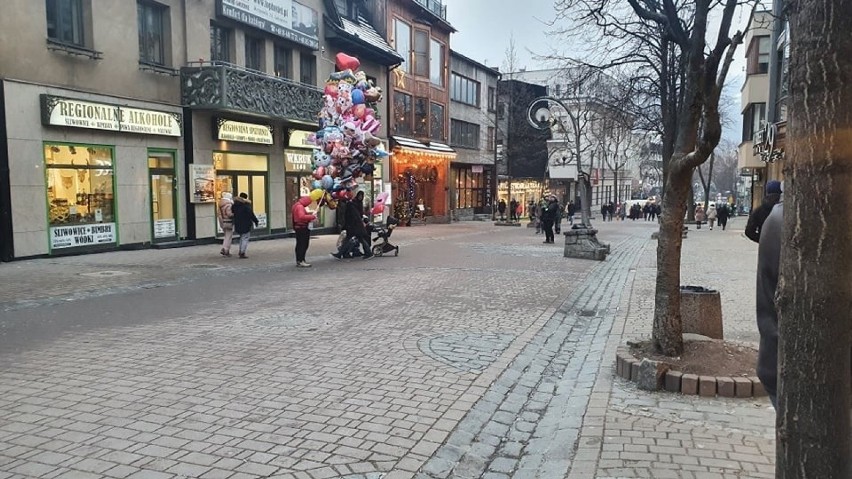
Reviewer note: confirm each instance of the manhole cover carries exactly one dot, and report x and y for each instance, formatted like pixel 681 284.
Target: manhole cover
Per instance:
pixel 205 266
pixel 105 274
pixel 283 320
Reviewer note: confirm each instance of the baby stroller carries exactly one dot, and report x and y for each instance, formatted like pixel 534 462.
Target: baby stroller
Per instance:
pixel 383 233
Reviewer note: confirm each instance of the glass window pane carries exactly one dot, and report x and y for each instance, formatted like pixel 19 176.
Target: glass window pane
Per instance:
pixel 421 119
pixel 239 162
pixel 258 195
pixel 436 66
pixel 402 42
pixel 402 113
pixel 421 53
pixel 79 184
pixel 437 122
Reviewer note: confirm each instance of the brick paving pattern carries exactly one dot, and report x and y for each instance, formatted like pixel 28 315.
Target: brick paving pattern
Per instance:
pixel 478 352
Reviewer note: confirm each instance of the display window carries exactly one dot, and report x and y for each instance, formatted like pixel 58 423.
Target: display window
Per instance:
pixel 80 195
pixel 244 173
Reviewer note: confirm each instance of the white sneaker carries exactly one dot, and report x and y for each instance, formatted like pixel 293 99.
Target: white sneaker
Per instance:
pixel 303 264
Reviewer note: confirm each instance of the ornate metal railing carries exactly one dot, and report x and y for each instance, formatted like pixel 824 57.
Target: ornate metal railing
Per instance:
pixel 223 86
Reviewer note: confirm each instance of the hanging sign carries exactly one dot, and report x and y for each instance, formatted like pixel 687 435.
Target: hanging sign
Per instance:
pixel 59 111
pixel 202 178
pixel 300 139
pixel 82 235
pixel 230 130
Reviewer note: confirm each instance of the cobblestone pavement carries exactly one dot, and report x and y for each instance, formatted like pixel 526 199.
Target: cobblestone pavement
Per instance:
pixel 478 352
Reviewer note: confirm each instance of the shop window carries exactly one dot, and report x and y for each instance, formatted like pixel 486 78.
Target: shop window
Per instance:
pixel 402 113
pixel 491 135
pixel 152 34
pixel 65 21
pixel 464 90
pixel 254 53
pixel 753 120
pixel 436 123
pixel 220 43
pixel 470 189
pixel 307 68
pixel 402 42
pixel 79 184
pixel 283 62
pixel 464 134
pixel 421 117
pixel 421 53
pixel 436 65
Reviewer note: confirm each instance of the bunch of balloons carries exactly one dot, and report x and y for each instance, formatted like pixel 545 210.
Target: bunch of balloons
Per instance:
pixel 347 120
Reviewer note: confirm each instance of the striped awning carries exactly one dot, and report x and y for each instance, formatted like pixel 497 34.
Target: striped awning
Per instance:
pixel 416 146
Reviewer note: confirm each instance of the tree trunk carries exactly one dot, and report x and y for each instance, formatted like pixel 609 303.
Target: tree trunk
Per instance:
pixel 668 330
pixel 815 287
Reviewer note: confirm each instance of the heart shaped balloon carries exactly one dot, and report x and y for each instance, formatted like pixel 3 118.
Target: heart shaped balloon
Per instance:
pixel 346 62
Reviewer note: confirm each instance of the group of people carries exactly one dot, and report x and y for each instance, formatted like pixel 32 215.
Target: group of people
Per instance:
pixel 714 212
pixel 236 216
pixel 513 208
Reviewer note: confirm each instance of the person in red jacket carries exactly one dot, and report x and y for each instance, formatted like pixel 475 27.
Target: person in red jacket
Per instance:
pixel 301 219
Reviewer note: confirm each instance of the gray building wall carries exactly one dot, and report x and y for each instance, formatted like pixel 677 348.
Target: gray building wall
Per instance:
pixel 481 115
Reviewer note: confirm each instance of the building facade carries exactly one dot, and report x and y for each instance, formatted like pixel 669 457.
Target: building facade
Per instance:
pixel 128 140
pixel 754 102
pixel 473 134
pixel 418 97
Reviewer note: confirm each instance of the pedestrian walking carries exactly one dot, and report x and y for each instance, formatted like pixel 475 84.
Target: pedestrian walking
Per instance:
pixel 758 216
pixel 699 216
pixel 514 210
pixel 226 221
pixel 301 220
pixel 570 210
pixel 603 211
pixel 557 224
pixel 548 216
pixel 711 215
pixel 657 211
pixel 356 230
pixel 723 211
pixel 531 210
pixel 501 208
pixel 768 265
pixel 244 219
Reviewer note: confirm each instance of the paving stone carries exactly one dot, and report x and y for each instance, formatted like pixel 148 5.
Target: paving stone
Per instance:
pixel 689 384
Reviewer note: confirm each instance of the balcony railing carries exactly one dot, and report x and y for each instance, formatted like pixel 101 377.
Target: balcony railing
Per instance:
pixel 224 86
pixel 435 6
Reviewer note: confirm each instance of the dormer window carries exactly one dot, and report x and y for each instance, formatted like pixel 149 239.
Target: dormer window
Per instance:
pixel 347 8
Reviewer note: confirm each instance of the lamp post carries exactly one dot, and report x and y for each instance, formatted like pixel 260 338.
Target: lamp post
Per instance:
pixel 541 117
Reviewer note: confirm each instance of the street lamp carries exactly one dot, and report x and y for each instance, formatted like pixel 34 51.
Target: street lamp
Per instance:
pixel 541 117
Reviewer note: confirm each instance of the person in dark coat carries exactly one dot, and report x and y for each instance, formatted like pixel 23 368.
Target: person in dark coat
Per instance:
pixel 723 211
pixel 501 208
pixel 514 210
pixel 548 216
pixel 355 228
pixel 768 265
pixel 758 216
pixel 244 219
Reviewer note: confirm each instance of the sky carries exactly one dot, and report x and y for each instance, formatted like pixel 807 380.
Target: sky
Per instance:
pixel 485 26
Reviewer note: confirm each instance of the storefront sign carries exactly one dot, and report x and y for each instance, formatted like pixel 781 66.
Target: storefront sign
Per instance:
pixel 286 18
pixel 164 228
pixel 82 235
pixel 202 178
pixel 765 143
pixel 59 111
pixel 299 139
pixel 297 161
pixel 244 132
pixel 476 169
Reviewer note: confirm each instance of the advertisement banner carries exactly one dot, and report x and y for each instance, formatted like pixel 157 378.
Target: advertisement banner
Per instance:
pixel 61 111
pixel 164 228
pixel 82 235
pixel 230 130
pixel 285 18
pixel 202 178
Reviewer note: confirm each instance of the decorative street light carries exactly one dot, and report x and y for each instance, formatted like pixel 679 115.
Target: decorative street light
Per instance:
pixel 541 117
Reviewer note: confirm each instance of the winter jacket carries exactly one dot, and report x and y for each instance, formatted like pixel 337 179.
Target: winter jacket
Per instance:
pixel 712 213
pixel 353 219
pixel 699 214
pixel 758 216
pixel 226 213
pixel 549 212
pixel 768 264
pixel 723 211
pixel 300 215
pixel 243 216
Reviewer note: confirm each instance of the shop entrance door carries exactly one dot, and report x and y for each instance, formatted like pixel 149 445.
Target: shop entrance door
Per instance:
pixel 161 174
pixel 252 184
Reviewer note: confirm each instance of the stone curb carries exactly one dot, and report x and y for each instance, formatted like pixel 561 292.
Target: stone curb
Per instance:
pixel 627 367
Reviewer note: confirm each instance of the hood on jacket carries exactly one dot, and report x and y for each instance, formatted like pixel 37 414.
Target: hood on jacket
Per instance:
pixel 227 196
pixel 305 200
pixel 240 199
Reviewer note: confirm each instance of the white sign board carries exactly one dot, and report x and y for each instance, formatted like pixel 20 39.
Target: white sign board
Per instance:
pixel 149 122
pixel 164 228
pixel 202 178
pixel 285 18
pixel 82 235
pixel 244 132
pixel 61 111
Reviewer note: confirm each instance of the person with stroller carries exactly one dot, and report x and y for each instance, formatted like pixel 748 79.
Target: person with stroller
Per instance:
pixel 356 230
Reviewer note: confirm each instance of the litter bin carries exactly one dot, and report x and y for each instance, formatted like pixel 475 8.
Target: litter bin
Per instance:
pixel 701 311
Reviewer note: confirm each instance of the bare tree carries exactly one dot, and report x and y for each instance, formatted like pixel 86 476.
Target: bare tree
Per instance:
pixel 815 287
pixel 673 52
pixel 616 141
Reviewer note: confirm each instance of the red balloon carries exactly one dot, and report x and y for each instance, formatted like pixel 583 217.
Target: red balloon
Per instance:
pixel 346 62
pixel 359 111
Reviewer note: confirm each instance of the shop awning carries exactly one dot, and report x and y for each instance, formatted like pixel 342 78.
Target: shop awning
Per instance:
pixel 432 148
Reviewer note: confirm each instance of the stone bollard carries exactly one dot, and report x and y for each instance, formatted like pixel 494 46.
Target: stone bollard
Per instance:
pixel 701 311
